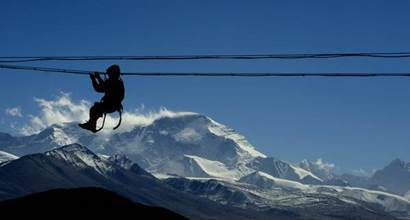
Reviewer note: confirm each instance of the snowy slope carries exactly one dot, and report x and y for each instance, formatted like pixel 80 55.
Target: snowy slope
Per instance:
pixel 306 200
pixel 81 157
pixel 221 130
pixel 389 202
pixel 4 156
pixel 267 181
pixel 213 168
pixel 260 190
pixel 284 170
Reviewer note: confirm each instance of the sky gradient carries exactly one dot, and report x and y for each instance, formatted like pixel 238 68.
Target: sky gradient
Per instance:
pixel 351 122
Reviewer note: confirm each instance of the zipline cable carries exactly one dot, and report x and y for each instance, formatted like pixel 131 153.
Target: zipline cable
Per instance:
pixel 20 59
pixel 207 74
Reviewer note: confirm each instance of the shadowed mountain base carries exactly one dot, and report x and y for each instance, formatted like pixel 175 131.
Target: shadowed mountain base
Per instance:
pixel 82 202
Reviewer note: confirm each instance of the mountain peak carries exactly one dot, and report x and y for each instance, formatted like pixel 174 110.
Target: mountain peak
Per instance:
pixel 54 134
pixel 394 177
pixel 193 128
pixel 72 148
pixel 397 162
pixel 72 152
pixel 80 156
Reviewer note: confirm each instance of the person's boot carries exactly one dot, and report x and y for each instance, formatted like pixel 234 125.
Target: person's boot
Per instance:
pixel 89 125
pixel 86 126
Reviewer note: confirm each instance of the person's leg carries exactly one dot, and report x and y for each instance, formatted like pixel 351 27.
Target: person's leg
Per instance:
pixel 96 111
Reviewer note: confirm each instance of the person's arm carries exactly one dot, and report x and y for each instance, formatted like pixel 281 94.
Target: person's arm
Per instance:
pixel 99 80
pixel 98 86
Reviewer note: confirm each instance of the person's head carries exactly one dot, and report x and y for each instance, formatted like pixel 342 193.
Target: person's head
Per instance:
pixel 114 72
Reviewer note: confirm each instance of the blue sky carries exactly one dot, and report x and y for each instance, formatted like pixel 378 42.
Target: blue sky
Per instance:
pixel 354 123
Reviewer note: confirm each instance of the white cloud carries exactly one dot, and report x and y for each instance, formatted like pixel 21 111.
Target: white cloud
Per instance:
pixel 14 111
pixel 322 169
pixel 363 172
pixel 324 165
pixel 63 109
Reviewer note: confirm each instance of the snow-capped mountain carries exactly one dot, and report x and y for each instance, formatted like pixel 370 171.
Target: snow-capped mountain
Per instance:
pixel 260 191
pixel 4 156
pixel 206 154
pixel 258 194
pixel 395 177
pixel 50 138
pixel 181 145
pixel 74 166
pixel 189 145
pixel 389 202
pixel 80 157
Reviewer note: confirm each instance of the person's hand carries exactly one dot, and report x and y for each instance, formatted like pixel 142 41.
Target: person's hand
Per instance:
pixel 94 74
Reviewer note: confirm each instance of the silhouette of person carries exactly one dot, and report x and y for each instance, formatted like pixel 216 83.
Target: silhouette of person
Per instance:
pixel 114 90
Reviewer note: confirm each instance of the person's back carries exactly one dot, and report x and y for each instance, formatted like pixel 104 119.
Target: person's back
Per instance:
pixel 114 91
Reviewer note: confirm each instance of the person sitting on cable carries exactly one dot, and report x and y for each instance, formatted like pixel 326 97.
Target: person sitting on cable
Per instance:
pixel 114 90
